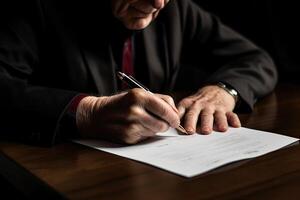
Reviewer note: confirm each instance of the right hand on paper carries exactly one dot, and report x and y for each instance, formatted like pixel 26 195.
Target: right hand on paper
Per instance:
pixel 128 117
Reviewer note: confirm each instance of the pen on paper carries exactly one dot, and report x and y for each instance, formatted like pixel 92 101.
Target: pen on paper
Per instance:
pixel 133 83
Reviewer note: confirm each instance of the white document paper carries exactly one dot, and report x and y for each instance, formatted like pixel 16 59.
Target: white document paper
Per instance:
pixel 191 155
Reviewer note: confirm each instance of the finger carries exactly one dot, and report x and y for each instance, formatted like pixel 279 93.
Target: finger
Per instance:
pixel 154 105
pixel 181 111
pixel 119 133
pixel 233 119
pixel 153 123
pixel 207 120
pixel 139 115
pixel 139 132
pixel 161 109
pixel 169 100
pixel 220 121
pixel 183 105
pixel 191 119
pixel 134 133
pixel 145 133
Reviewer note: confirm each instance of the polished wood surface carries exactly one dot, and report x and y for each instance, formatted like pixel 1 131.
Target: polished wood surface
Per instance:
pixel 78 172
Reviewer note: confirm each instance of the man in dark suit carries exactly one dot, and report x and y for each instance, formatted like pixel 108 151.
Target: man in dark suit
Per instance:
pixel 58 64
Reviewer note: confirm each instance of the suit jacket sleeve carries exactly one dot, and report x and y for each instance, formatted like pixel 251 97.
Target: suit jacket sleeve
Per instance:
pixel 29 111
pixel 225 55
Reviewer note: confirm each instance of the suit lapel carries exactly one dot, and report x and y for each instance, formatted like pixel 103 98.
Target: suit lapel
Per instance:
pixel 155 59
pixel 101 65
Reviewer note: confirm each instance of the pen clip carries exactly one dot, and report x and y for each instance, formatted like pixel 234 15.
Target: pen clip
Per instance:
pixel 131 81
pixel 141 85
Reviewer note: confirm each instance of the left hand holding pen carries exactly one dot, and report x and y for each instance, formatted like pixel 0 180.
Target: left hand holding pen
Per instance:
pixel 210 108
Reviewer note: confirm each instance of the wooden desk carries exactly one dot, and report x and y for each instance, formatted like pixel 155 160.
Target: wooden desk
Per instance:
pixel 78 172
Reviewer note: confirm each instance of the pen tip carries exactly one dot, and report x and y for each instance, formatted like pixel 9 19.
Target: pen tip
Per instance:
pixel 182 129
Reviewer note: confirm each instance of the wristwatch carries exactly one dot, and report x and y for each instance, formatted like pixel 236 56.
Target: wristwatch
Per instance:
pixel 230 91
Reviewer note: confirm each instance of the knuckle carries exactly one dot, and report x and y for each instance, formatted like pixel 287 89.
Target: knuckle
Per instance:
pixel 164 112
pixel 185 102
pixel 134 111
pixel 135 95
pixel 221 110
pixel 208 110
pixel 169 98
pixel 196 107
pixel 131 128
pixel 231 115
pixel 191 113
pixel 130 136
pixel 234 114
pixel 162 127
pixel 130 140
pixel 205 115
pixel 236 117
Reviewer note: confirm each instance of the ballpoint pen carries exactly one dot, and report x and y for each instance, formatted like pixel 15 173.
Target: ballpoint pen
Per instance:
pixel 133 83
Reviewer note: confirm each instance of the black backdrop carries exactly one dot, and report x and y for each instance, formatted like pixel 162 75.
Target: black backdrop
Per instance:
pixel 271 24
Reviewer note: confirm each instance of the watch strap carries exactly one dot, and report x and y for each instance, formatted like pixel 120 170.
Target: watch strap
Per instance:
pixel 230 90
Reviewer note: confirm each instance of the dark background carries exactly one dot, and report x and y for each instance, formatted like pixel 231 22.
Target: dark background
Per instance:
pixel 273 25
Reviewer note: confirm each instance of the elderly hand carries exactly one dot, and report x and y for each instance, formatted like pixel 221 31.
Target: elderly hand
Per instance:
pixel 128 117
pixel 209 109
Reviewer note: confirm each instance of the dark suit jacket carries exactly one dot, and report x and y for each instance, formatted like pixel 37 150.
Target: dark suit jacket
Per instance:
pixel 52 50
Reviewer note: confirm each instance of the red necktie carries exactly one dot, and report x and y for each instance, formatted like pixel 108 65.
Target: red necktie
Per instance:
pixel 127 60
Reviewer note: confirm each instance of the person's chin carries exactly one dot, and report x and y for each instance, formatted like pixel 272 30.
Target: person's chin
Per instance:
pixel 138 23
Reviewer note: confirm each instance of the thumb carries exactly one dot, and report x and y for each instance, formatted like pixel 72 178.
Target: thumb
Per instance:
pixel 181 111
pixel 169 100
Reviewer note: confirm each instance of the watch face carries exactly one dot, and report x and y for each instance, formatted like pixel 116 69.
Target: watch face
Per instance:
pixel 234 92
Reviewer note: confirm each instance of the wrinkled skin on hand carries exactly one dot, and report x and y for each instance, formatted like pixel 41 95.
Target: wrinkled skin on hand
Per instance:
pixel 210 108
pixel 135 115
pixel 128 117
